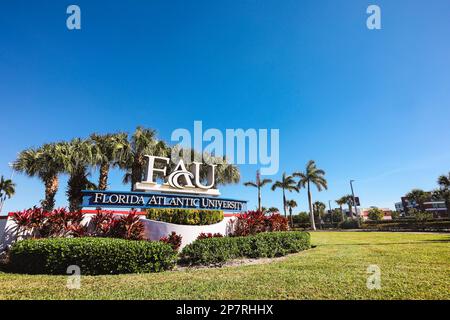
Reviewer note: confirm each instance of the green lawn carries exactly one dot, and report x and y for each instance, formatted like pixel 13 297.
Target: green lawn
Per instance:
pixel 413 266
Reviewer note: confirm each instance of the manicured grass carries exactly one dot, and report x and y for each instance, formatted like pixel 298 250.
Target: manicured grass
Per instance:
pixel 413 266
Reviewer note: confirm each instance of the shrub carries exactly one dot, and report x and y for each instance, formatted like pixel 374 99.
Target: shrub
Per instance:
pixel 93 256
pixel 173 239
pixel 217 251
pixel 375 214
pixel 37 223
pixel 350 224
pixel 185 216
pixel 209 235
pixel 253 222
pixel 129 227
pixel 302 217
pixel 420 216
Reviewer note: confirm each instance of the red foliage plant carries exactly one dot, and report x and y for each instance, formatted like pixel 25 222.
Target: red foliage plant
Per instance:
pixel 253 222
pixel 173 239
pixel 37 223
pixel 129 226
pixel 209 235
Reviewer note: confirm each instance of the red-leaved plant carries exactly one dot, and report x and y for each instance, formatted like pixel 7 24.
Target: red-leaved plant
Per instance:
pixel 209 235
pixel 129 226
pixel 37 223
pixel 173 239
pixel 253 222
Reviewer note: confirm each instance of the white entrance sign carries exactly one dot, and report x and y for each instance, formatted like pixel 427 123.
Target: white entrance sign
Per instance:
pixel 180 180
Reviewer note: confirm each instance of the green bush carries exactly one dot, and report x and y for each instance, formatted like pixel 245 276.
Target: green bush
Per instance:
pixel 93 256
pixel 375 214
pixel 350 224
pixel 185 216
pixel 408 225
pixel 217 251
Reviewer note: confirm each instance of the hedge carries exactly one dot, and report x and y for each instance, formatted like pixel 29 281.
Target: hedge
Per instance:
pixel 410 225
pixel 185 216
pixel 216 251
pixel 93 256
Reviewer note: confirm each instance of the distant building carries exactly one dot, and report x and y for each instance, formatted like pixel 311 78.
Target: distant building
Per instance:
pixel 387 213
pixel 436 207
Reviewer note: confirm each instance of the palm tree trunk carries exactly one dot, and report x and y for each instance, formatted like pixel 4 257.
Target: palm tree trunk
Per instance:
pixel 259 199
pixel 350 208
pixel 290 217
pixel 284 203
pixel 51 187
pixel 103 179
pixel 311 214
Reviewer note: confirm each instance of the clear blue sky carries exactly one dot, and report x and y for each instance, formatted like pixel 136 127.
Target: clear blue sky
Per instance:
pixel 373 106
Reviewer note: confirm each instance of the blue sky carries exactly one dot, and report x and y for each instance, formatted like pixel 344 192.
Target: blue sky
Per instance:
pixel 373 106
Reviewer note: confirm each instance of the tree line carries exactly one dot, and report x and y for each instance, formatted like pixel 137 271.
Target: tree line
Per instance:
pixel 78 157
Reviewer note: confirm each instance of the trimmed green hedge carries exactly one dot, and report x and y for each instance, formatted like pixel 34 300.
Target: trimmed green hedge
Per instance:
pixel 93 256
pixel 185 216
pixel 407 225
pixel 217 251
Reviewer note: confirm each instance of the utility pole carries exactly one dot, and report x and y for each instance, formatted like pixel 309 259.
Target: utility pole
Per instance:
pixel 354 199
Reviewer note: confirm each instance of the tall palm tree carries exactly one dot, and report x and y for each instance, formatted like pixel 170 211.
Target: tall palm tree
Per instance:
pixel 80 155
pixel 287 183
pixel 348 200
pixel 7 190
pixel 258 184
pixel 319 209
pixel 110 150
pixel 444 190
pixel 291 204
pixel 45 163
pixel 143 142
pixel 418 196
pixel 312 175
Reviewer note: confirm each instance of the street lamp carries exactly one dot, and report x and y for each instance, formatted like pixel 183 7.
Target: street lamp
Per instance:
pixel 354 199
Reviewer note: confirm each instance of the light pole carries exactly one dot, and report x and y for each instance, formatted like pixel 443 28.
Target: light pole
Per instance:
pixel 354 199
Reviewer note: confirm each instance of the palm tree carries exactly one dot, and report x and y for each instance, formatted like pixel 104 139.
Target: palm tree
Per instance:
pixel 287 183
pixel 143 142
pixel 225 173
pixel 341 201
pixel 258 184
pixel 273 210
pixel 319 209
pixel 7 190
pixel 110 150
pixel 348 200
pixel 418 196
pixel 46 163
pixel 312 175
pixel 444 181
pixel 291 204
pixel 80 155
pixel 444 191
